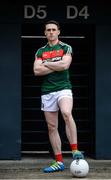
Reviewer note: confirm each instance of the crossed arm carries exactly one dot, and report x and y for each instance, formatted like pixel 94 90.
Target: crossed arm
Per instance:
pixel 41 69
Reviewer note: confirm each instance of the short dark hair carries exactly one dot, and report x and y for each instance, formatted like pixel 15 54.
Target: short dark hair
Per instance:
pixel 52 22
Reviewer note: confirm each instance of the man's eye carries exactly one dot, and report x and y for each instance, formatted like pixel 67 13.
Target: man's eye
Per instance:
pixel 51 29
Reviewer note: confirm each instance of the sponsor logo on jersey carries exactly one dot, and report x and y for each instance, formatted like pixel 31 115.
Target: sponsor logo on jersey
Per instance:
pixel 55 54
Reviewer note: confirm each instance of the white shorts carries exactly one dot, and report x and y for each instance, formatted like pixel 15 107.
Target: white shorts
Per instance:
pixel 49 102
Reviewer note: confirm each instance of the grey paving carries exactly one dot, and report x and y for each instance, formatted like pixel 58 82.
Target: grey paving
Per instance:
pixel 31 168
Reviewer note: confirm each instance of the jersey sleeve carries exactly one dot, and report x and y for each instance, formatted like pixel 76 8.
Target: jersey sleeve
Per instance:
pixel 38 54
pixel 68 49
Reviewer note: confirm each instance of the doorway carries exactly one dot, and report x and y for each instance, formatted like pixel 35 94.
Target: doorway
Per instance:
pixel 82 73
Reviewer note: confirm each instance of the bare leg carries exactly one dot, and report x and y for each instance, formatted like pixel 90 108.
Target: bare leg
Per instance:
pixel 65 105
pixel 52 123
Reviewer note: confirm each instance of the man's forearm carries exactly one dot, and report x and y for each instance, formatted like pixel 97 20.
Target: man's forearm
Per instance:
pixel 56 66
pixel 42 70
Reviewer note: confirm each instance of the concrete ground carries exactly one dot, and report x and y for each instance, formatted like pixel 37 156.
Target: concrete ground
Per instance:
pixel 31 168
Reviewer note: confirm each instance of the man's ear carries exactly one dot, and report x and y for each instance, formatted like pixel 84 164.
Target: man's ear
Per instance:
pixel 58 32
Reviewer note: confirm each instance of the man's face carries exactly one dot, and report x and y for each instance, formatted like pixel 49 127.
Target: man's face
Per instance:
pixel 52 32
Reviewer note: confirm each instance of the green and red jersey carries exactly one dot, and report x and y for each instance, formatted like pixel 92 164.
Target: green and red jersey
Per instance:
pixel 57 80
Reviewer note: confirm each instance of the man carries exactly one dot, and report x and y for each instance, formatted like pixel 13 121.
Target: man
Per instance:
pixel 53 61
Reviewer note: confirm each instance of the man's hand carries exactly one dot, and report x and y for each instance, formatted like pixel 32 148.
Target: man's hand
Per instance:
pixel 40 69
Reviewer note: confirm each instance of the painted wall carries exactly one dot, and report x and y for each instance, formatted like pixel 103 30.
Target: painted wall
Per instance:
pixel 103 92
pixel 10 83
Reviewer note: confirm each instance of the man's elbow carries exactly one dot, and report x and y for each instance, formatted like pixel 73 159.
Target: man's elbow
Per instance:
pixel 36 72
pixel 65 67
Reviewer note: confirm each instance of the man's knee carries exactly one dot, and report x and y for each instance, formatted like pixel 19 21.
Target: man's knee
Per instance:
pixel 51 127
pixel 66 115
